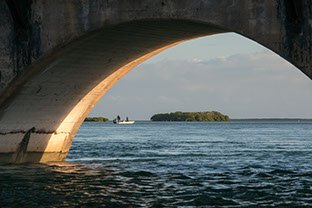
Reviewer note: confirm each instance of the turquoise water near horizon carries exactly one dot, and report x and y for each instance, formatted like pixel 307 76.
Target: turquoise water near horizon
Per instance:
pixel 242 163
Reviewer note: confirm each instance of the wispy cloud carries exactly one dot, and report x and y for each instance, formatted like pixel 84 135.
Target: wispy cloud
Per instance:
pixel 243 85
pixel 195 60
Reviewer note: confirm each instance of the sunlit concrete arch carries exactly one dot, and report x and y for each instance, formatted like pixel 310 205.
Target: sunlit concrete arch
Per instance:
pixel 56 83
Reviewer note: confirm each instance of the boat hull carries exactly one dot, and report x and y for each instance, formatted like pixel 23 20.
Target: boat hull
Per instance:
pixel 125 122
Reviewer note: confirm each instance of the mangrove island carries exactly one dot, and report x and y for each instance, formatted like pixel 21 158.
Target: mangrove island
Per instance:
pixel 96 119
pixel 191 116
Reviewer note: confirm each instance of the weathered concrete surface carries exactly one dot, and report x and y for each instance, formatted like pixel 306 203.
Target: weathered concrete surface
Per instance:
pixel 57 58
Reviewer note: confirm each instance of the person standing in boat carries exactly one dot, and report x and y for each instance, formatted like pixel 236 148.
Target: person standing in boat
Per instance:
pixel 127 119
pixel 118 118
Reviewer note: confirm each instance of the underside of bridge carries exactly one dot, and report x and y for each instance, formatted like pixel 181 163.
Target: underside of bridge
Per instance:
pixel 44 115
pixel 54 70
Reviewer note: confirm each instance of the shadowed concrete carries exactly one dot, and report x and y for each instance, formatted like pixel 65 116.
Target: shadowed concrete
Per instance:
pixel 57 58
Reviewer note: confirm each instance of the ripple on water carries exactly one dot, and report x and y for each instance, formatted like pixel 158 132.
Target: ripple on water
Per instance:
pixel 237 164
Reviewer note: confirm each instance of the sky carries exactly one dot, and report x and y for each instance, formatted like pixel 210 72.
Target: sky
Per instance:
pixel 224 72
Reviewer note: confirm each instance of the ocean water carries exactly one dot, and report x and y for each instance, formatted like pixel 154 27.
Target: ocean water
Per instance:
pixel 243 163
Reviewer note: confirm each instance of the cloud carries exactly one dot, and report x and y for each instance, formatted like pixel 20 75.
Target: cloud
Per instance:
pixel 195 60
pixel 257 61
pixel 243 85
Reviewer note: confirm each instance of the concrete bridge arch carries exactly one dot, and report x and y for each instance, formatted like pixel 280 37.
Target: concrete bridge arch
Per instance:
pixel 59 57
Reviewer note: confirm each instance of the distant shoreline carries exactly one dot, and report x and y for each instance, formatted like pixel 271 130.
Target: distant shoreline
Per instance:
pixel 96 119
pixel 202 116
pixel 233 119
pixel 240 119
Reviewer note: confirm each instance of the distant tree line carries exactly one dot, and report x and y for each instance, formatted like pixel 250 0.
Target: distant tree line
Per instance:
pixel 96 119
pixel 191 116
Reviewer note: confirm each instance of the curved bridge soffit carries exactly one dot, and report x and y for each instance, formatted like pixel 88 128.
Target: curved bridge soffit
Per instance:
pixel 54 68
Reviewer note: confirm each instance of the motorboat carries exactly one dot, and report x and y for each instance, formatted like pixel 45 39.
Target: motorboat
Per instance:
pixel 123 122
pixel 118 121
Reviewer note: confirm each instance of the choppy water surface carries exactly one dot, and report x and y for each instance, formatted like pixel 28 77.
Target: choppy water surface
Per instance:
pixel 169 164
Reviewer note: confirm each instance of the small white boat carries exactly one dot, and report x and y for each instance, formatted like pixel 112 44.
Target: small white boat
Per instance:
pixel 125 122
pixel 115 121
